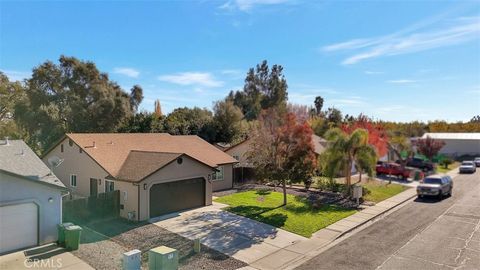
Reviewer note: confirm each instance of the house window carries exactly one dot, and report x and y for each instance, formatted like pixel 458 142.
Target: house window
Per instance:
pixel 109 186
pixel 218 175
pixel 73 180
pixel 61 148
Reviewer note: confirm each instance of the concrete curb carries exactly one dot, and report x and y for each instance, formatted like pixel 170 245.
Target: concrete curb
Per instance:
pixel 378 215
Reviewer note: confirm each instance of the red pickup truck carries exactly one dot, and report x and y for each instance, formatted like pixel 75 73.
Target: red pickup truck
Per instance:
pixel 392 169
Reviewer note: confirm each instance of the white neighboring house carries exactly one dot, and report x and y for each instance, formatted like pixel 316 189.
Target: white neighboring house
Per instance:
pixel 457 144
pixel 30 198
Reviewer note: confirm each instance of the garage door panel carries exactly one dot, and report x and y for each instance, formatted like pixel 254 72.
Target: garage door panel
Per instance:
pixel 176 196
pixel 18 226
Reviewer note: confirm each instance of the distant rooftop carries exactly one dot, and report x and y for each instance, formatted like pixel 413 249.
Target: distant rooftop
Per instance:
pixel 453 136
pixel 17 158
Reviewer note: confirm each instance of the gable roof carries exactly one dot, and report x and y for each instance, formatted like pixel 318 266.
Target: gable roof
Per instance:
pixel 453 136
pixel 16 158
pixel 319 144
pixel 140 164
pixel 116 152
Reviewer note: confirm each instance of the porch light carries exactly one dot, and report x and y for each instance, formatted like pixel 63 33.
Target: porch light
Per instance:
pixel 145 186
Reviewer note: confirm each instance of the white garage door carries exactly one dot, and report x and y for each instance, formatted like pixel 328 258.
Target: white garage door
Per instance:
pixel 18 226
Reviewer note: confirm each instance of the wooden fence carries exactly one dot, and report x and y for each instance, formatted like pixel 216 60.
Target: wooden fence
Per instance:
pixel 103 205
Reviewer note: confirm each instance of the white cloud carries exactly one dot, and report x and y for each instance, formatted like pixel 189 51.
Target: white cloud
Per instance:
pixel 371 72
pixel 246 5
pixel 204 79
pixel 129 72
pixel 410 40
pixel 402 81
pixel 352 101
pixel 14 75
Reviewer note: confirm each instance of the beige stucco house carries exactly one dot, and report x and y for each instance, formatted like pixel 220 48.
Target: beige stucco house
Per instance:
pixel 243 170
pixel 156 173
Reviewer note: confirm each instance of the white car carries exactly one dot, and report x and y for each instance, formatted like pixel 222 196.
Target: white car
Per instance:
pixel 477 161
pixel 467 167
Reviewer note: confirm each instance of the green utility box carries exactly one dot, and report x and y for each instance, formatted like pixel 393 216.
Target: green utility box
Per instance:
pixel 72 237
pixel 162 258
pixel 61 233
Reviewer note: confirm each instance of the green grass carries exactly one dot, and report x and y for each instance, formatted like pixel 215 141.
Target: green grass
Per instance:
pixel 441 168
pixel 298 216
pixel 377 192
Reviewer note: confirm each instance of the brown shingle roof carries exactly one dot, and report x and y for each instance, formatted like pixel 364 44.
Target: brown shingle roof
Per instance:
pixel 140 164
pixel 111 150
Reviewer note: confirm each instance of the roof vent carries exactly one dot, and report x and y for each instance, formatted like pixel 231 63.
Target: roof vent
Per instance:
pixel 110 143
pixel 94 145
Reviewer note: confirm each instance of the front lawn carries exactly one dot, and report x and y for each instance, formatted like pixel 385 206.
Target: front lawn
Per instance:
pixel 299 216
pixel 442 169
pixel 377 192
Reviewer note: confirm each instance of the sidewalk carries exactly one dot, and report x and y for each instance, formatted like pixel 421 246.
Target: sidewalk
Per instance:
pixel 49 256
pixel 304 250
pixel 293 255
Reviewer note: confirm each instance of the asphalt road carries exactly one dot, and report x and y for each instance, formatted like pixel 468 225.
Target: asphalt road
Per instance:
pixel 423 234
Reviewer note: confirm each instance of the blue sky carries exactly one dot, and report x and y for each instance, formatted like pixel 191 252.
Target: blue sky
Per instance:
pixel 392 60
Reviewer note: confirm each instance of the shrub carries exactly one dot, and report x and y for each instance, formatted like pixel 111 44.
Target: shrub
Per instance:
pixel 327 184
pixel 445 162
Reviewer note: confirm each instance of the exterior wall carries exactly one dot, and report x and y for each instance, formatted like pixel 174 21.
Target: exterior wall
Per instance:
pixel 172 172
pixel 15 190
pixel 240 151
pixel 79 164
pixel 128 197
pixel 85 168
pixel 227 181
pixel 461 147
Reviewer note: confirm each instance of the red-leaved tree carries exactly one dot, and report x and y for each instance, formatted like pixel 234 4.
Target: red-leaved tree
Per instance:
pixel 377 135
pixel 429 147
pixel 282 149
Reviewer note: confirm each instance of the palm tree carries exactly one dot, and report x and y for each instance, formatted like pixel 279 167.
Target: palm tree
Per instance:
pixel 346 150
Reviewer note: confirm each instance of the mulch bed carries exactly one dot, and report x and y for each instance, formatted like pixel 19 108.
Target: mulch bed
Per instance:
pixel 103 252
pixel 314 196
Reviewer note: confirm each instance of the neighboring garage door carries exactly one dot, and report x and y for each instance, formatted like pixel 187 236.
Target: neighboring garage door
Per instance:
pixel 18 226
pixel 176 196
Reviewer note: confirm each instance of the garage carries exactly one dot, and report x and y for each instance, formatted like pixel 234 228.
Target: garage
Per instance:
pixel 176 196
pixel 18 226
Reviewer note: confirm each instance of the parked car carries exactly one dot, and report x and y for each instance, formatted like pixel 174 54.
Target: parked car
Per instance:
pixel 435 185
pixel 420 164
pixel 477 161
pixel 467 167
pixel 392 169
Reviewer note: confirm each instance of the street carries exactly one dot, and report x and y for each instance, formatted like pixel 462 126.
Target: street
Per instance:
pixel 424 234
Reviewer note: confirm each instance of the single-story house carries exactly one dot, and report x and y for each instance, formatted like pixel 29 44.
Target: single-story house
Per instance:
pixel 156 173
pixel 457 144
pixel 244 169
pixel 30 198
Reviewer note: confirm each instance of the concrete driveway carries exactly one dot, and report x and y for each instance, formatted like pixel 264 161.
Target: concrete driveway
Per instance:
pixel 242 238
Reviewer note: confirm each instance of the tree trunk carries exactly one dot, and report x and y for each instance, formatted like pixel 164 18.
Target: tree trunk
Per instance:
pixel 348 178
pixel 284 184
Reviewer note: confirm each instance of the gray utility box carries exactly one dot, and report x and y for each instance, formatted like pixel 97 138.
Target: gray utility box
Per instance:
pixel 132 260
pixel 162 258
